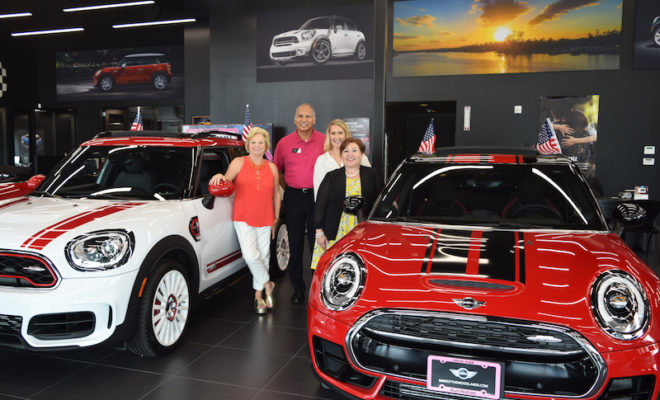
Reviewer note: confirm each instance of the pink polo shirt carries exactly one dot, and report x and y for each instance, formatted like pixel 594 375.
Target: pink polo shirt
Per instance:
pixel 296 157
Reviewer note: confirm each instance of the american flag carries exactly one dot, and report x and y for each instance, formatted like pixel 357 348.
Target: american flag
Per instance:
pixel 137 124
pixel 247 125
pixel 548 143
pixel 428 143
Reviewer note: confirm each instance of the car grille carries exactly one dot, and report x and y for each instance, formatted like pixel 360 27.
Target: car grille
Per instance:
pixel 10 324
pixel 538 359
pixel 284 54
pixel 26 270
pixel 285 40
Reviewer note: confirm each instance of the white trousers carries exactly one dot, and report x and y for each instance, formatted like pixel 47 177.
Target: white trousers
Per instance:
pixel 255 246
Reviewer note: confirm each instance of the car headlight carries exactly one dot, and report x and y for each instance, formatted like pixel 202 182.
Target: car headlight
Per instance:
pixel 620 305
pixel 307 35
pixel 99 251
pixel 343 282
pixel 97 73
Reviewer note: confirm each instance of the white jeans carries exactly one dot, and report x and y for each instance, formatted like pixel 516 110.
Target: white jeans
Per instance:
pixel 255 246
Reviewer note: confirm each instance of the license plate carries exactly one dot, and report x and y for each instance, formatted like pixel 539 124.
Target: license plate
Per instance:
pixel 480 379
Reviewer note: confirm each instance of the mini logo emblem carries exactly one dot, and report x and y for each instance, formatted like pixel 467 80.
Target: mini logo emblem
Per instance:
pixel 469 303
pixel 463 373
pixel 544 339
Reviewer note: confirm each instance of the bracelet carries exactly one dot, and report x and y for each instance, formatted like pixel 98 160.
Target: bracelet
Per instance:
pixel 319 234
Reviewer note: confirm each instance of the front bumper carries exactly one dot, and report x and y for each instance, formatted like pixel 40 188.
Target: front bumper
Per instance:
pixel 290 51
pixel 76 313
pixel 631 371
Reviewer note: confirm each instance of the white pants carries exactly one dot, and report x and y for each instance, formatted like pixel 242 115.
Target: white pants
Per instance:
pixel 255 246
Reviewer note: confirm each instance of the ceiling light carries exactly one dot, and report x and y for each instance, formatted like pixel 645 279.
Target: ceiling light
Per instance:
pixel 104 6
pixel 48 32
pixel 171 21
pixel 14 15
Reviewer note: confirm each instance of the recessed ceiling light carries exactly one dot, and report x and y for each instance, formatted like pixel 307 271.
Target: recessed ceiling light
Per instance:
pixel 15 15
pixel 47 32
pixel 166 22
pixel 104 6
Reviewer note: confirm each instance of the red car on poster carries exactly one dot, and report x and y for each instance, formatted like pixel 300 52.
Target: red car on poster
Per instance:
pixel 487 275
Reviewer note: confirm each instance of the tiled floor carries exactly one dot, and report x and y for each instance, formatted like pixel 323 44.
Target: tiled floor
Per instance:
pixel 228 353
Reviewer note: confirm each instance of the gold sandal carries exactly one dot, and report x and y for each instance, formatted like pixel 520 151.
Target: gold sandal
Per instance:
pixel 270 300
pixel 260 306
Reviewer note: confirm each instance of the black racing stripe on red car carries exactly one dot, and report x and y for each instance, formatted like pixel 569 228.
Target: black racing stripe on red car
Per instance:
pixel 521 256
pixel 451 252
pixel 499 250
pixel 490 254
pixel 430 246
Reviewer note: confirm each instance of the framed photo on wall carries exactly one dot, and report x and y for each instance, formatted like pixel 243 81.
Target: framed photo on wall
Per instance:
pixel 458 37
pixel 334 42
pixel 574 120
pixel 647 34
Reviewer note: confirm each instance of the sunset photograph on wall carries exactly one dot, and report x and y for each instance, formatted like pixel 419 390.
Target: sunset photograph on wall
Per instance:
pixel 458 37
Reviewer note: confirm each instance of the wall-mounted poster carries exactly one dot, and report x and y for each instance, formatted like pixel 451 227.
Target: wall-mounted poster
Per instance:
pixel 359 128
pixel 575 122
pixel 647 34
pixel 120 74
pixel 315 43
pixel 459 37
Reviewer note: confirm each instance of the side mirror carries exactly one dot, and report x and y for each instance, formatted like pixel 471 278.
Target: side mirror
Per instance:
pixel 35 181
pixel 222 189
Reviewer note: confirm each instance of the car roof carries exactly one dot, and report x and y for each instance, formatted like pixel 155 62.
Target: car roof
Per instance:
pixel 488 155
pixel 165 139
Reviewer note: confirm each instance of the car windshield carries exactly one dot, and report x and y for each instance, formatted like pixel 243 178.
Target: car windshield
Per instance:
pixel 318 23
pixel 500 195
pixel 122 172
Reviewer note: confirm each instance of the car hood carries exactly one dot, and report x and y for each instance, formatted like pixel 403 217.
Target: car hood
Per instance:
pixel 32 224
pixel 295 32
pixel 533 276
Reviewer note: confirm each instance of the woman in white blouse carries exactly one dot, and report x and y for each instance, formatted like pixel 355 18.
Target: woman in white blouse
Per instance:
pixel 330 160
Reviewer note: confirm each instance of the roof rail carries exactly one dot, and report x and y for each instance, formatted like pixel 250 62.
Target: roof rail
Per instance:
pixel 217 134
pixel 149 133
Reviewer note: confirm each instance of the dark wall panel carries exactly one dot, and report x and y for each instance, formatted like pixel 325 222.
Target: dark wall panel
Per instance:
pixel 233 77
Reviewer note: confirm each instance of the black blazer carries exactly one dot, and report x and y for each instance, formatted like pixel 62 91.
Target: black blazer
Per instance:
pixel 330 198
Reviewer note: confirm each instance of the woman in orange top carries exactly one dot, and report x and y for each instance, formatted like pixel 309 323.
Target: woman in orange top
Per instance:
pixel 256 185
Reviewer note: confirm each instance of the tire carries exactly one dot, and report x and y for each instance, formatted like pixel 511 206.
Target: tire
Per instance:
pixel 279 252
pixel 321 51
pixel 164 310
pixel 656 36
pixel 360 51
pixel 160 81
pixel 106 83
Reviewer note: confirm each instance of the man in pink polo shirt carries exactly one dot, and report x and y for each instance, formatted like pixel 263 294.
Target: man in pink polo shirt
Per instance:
pixel 295 156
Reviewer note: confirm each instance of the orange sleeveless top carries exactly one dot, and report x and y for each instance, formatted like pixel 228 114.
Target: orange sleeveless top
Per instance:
pixel 253 194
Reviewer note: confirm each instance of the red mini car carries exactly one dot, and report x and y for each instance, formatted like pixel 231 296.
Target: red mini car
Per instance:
pixel 485 275
pixel 150 68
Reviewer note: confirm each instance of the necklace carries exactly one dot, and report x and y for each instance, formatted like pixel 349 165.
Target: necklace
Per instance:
pixel 356 173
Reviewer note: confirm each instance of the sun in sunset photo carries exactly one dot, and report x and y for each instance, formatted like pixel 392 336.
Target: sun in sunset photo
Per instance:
pixel 502 33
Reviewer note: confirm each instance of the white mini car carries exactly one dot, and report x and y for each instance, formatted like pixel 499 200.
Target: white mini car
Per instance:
pixel 119 243
pixel 319 38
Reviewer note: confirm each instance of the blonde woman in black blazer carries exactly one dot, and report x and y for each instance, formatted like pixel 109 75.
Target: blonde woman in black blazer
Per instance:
pixel 334 214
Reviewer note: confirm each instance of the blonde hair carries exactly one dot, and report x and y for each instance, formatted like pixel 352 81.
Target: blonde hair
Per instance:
pixel 344 127
pixel 257 131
